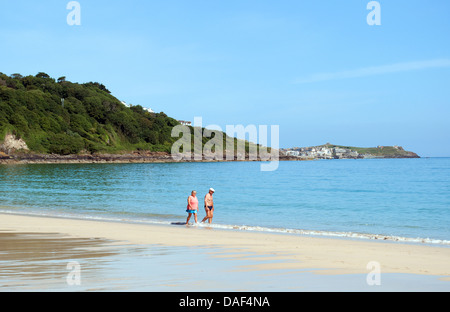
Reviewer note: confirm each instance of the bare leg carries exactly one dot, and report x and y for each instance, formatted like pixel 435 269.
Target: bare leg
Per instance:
pixel 211 212
pixel 189 216
pixel 207 215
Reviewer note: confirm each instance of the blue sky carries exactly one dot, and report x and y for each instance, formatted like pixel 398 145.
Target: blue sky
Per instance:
pixel 315 68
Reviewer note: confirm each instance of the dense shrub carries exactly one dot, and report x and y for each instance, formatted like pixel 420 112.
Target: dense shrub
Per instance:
pixel 58 116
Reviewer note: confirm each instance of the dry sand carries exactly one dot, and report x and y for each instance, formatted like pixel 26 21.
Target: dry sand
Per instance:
pixel 331 256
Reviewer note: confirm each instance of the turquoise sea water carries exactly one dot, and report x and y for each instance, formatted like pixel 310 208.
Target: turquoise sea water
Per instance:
pixel 398 199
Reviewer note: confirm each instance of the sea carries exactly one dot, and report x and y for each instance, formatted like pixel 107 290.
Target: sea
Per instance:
pixel 406 200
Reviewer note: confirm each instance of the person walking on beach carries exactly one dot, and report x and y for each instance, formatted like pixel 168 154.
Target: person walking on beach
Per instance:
pixel 192 206
pixel 209 205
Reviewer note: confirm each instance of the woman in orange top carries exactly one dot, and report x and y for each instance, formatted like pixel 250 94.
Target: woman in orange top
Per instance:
pixel 192 206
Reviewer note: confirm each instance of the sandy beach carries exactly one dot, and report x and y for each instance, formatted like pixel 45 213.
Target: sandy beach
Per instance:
pixel 242 254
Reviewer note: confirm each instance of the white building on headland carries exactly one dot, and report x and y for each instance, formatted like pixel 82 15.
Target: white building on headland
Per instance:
pixel 185 123
pixel 148 110
pixel 144 108
pixel 321 152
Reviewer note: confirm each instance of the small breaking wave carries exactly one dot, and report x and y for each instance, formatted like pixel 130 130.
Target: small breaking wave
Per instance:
pixel 250 228
pixel 353 235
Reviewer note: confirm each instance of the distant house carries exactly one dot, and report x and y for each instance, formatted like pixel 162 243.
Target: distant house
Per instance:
pixel 185 123
pixel 324 152
pixel 339 150
pixel 148 110
pixel 144 108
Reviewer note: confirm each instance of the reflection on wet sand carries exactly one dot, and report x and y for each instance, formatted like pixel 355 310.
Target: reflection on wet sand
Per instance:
pixel 30 261
pixel 39 262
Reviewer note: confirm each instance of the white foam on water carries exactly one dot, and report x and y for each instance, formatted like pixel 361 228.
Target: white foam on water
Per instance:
pixel 249 228
pixel 331 234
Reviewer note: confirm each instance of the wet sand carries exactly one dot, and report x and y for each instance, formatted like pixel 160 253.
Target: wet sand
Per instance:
pixel 112 256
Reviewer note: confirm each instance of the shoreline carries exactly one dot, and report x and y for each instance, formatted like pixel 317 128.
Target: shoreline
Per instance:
pixel 330 256
pixel 88 159
pixel 420 241
pixel 134 157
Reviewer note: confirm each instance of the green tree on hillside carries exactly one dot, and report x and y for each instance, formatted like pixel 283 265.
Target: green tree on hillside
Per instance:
pixel 91 118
